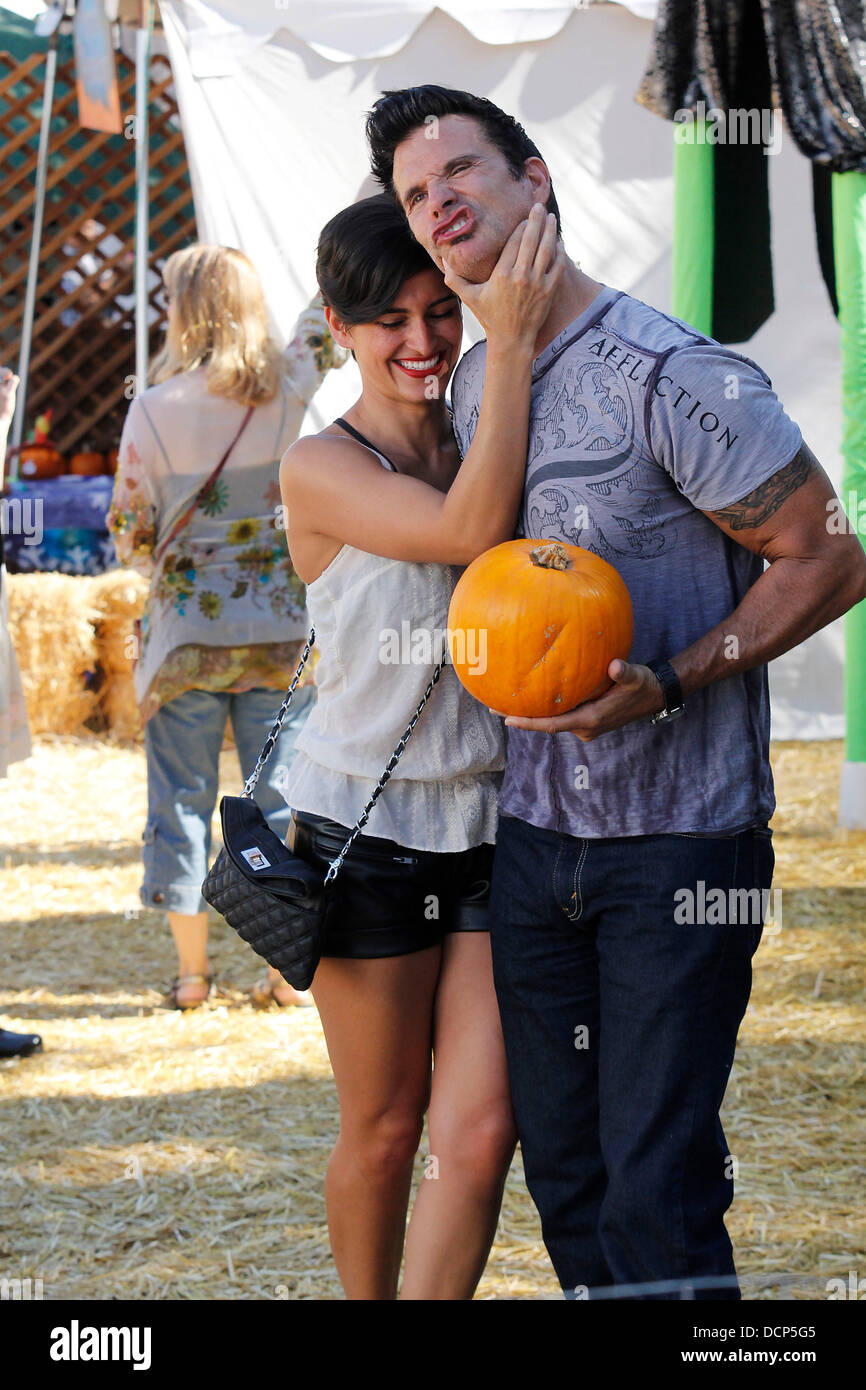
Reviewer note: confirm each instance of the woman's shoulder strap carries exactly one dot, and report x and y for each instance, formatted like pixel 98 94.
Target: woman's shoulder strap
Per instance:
pixel 362 439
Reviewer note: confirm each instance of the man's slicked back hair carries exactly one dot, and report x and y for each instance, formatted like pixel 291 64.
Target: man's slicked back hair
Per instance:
pixel 397 114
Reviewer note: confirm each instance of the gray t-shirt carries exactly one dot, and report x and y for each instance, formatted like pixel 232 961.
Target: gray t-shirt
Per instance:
pixel 638 426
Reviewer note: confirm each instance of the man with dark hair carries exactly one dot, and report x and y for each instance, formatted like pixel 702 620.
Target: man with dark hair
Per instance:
pixel 399 113
pixel 633 862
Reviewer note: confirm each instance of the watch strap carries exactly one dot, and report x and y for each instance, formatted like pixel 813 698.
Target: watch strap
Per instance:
pixel 671 688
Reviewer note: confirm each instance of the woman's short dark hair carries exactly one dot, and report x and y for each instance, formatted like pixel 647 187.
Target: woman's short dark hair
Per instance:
pixel 365 254
pixel 396 114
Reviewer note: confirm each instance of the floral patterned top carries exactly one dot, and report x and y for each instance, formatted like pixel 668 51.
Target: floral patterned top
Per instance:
pixel 225 610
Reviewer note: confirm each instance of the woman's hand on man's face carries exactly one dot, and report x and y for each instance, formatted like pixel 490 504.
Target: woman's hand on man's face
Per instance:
pixel 512 305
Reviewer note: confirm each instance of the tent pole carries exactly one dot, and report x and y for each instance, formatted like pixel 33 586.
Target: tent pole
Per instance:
pixel 35 249
pixel 142 193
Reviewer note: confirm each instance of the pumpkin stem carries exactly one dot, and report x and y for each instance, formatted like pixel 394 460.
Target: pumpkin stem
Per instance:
pixel 551 556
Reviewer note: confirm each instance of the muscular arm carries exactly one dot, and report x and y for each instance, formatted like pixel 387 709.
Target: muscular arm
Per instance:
pixel 814 576
pixel 758 506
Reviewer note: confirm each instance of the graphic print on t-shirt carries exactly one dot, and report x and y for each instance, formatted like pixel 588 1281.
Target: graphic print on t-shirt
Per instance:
pixel 639 427
pixel 585 446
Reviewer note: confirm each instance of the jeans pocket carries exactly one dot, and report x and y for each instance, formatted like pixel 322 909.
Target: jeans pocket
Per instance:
pixel 567 886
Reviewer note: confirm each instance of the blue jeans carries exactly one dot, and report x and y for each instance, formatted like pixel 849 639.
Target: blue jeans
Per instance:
pixel 182 742
pixel 620 1021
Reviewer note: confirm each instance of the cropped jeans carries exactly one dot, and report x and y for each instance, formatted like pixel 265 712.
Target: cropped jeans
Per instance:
pixel 621 993
pixel 182 742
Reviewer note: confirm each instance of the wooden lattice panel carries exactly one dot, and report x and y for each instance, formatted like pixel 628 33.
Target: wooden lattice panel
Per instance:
pixel 83 350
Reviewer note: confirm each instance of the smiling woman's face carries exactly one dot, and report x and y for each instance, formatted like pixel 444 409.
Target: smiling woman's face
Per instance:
pixel 412 344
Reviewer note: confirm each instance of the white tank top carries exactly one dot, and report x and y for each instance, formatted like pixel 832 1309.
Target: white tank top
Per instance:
pixel 380 630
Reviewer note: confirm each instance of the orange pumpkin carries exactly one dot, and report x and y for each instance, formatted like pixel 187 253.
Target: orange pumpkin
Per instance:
pixel 111 460
pixel 88 462
pixel 39 461
pixel 534 625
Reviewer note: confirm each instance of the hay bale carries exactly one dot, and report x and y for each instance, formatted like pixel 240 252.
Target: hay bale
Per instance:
pixel 118 598
pixel 120 708
pixel 50 622
pixel 72 635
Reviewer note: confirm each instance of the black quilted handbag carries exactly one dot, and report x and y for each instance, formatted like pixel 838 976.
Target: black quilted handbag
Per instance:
pixel 274 899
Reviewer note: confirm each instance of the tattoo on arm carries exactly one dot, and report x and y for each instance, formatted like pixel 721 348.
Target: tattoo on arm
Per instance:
pixel 758 506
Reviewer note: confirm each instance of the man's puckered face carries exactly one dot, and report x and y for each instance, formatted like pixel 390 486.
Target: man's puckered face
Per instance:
pixel 460 197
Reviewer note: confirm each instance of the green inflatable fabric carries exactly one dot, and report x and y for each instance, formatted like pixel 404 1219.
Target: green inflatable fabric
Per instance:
pixel 694 228
pixel 849 249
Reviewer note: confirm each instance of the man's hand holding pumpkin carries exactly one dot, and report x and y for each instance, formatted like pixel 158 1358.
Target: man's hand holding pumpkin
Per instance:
pixel 634 694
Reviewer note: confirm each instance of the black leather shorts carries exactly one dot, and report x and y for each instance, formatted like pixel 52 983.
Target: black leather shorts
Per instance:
pixel 388 900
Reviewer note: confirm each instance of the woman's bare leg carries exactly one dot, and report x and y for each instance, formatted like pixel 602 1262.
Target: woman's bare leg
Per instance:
pixel 378 1021
pixel 471 1125
pixel 190 938
pixel 283 992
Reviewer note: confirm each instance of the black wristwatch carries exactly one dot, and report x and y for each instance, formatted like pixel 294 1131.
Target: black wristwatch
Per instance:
pixel 673 693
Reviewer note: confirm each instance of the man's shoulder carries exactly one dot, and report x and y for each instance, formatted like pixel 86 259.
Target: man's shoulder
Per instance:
pixel 649 326
pixel 630 321
pixel 470 369
pixel 665 335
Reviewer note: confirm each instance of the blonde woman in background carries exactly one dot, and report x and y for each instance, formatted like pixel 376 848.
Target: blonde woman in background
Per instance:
pixel 224 621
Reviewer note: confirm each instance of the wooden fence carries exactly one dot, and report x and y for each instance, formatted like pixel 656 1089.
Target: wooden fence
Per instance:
pixel 83 352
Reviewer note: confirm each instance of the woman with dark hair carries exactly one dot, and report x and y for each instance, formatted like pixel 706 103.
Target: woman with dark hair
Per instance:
pixel 382 515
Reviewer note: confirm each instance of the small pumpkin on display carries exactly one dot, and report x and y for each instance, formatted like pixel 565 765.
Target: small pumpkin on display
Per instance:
pixel 87 462
pixel 37 461
pixel 534 625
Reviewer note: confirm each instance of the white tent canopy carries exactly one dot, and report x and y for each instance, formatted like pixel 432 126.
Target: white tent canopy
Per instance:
pixel 222 35
pixel 272 98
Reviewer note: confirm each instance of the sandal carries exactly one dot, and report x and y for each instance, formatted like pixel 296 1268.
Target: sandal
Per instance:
pixel 179 981
pixel 264 994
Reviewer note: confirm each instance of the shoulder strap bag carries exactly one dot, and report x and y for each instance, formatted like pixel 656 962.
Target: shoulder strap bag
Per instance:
pixel 275 900
pixel 201 493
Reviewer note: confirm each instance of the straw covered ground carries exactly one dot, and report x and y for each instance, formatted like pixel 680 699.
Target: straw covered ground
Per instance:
pixel 152 1154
